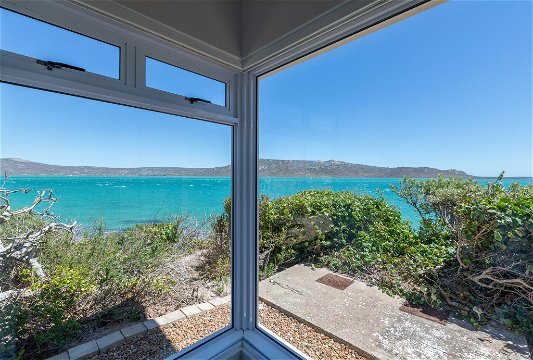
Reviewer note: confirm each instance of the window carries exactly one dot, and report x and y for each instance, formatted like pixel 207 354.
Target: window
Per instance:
pixel 42 41
pixel 348 249
pixel 327 126
pixel 149 195
pixel 162 76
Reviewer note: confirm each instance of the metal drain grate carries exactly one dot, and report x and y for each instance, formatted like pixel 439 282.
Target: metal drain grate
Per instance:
pixel 425 312
pixel 335 281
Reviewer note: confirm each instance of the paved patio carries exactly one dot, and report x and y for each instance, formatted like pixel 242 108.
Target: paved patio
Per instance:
pixel 370 321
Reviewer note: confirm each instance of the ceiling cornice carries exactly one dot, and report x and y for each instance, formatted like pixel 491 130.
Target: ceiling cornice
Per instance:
pixel 332 21
pixel 155 28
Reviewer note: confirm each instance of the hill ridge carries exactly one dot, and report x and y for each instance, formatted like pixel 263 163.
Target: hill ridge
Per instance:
pixel 266 167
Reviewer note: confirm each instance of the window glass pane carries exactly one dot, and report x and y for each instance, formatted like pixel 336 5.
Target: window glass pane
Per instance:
pixel 37 39
pixel 350 248
pixel 162 76
pixel 147 192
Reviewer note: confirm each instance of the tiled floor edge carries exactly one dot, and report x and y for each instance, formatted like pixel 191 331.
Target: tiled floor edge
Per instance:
pixel 116 338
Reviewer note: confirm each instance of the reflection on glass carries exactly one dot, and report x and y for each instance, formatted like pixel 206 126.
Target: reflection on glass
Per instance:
pixel 162 76
pixel 382 218
pixel 37 39
pixel 130 225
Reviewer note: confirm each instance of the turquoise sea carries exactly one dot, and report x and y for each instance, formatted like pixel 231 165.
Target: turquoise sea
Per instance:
pixel 124 201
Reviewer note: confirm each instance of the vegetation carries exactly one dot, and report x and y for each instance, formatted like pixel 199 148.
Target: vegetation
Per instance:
pixel 87 280
pixel 312 225
pixel 216 265
pixel 490 271
pixel 472 254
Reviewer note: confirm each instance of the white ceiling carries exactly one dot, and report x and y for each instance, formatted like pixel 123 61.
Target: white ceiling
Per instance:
pixel 234 32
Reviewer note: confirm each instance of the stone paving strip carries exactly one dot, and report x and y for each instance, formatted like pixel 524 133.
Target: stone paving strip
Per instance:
pixel 116 338
pixel 371 322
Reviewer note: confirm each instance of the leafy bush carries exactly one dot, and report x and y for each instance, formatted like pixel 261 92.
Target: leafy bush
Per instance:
pixel 217 255
pixel 117 259
pixel 98 276
pixel 51 313
pixel 490 228
pixel 344 230
pixel 472 253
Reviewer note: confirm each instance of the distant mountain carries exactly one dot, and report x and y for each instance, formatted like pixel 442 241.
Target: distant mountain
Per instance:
pixel 14 167
pixel 267 167
pixel 341 169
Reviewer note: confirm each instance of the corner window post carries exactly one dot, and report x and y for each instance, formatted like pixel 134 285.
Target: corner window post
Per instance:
pixel 245 271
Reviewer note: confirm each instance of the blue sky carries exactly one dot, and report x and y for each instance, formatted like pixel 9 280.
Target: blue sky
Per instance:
pixel 449 88
pixel 65 130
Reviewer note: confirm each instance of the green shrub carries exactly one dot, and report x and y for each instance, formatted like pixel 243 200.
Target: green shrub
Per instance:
pixel 166 233
pixel 490 272
pixel 99 276
pixel 119 260
pixel 51 314
pixel 217 249
pixel 349 232
pixel 472 253
pixel 346 231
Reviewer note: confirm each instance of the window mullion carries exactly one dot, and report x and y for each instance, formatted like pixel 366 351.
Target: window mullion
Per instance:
pixel 129 65
pixel 245 210
pixel 140 68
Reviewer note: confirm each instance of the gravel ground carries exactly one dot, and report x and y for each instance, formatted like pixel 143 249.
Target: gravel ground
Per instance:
pixel 189 288
pixel 303 337
pixel 159 343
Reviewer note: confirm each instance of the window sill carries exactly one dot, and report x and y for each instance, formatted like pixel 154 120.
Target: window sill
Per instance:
pixel 238 344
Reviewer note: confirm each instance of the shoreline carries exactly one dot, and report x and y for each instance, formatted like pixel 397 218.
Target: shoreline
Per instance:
pixel 260 177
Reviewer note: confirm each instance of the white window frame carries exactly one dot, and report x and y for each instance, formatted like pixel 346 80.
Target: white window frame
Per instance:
pixel 258 341
pixel 130 88
pixel 245 337
pixel 205 71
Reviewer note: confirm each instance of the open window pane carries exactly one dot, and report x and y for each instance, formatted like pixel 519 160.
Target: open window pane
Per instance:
pixel 162 76
pixel 37 39
pixel 149 195
pixel 383 221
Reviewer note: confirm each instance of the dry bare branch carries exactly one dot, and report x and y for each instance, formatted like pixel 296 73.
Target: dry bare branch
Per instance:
pixel 22 248
pixel 505 279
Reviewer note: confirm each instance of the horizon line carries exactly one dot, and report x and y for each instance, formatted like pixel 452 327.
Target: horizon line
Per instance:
pixel 229 165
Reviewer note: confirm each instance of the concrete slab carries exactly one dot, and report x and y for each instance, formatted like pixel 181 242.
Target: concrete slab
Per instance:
pixel 133 330
pixel 110 340
pixel 370 321
pixel 191 310
pixel 62 356
pixel 217 301
pixel 85 349
pixel 205 306
pixel 170 318
pixel 151 324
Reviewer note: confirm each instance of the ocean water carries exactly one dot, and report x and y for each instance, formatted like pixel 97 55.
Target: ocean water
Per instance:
pixel 125 201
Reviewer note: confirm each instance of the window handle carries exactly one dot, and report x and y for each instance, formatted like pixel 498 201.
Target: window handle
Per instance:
pixel 58 65
pixel 193 100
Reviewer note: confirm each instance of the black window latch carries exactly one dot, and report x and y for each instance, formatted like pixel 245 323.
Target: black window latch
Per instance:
pixel 193 100
pixel 57 65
